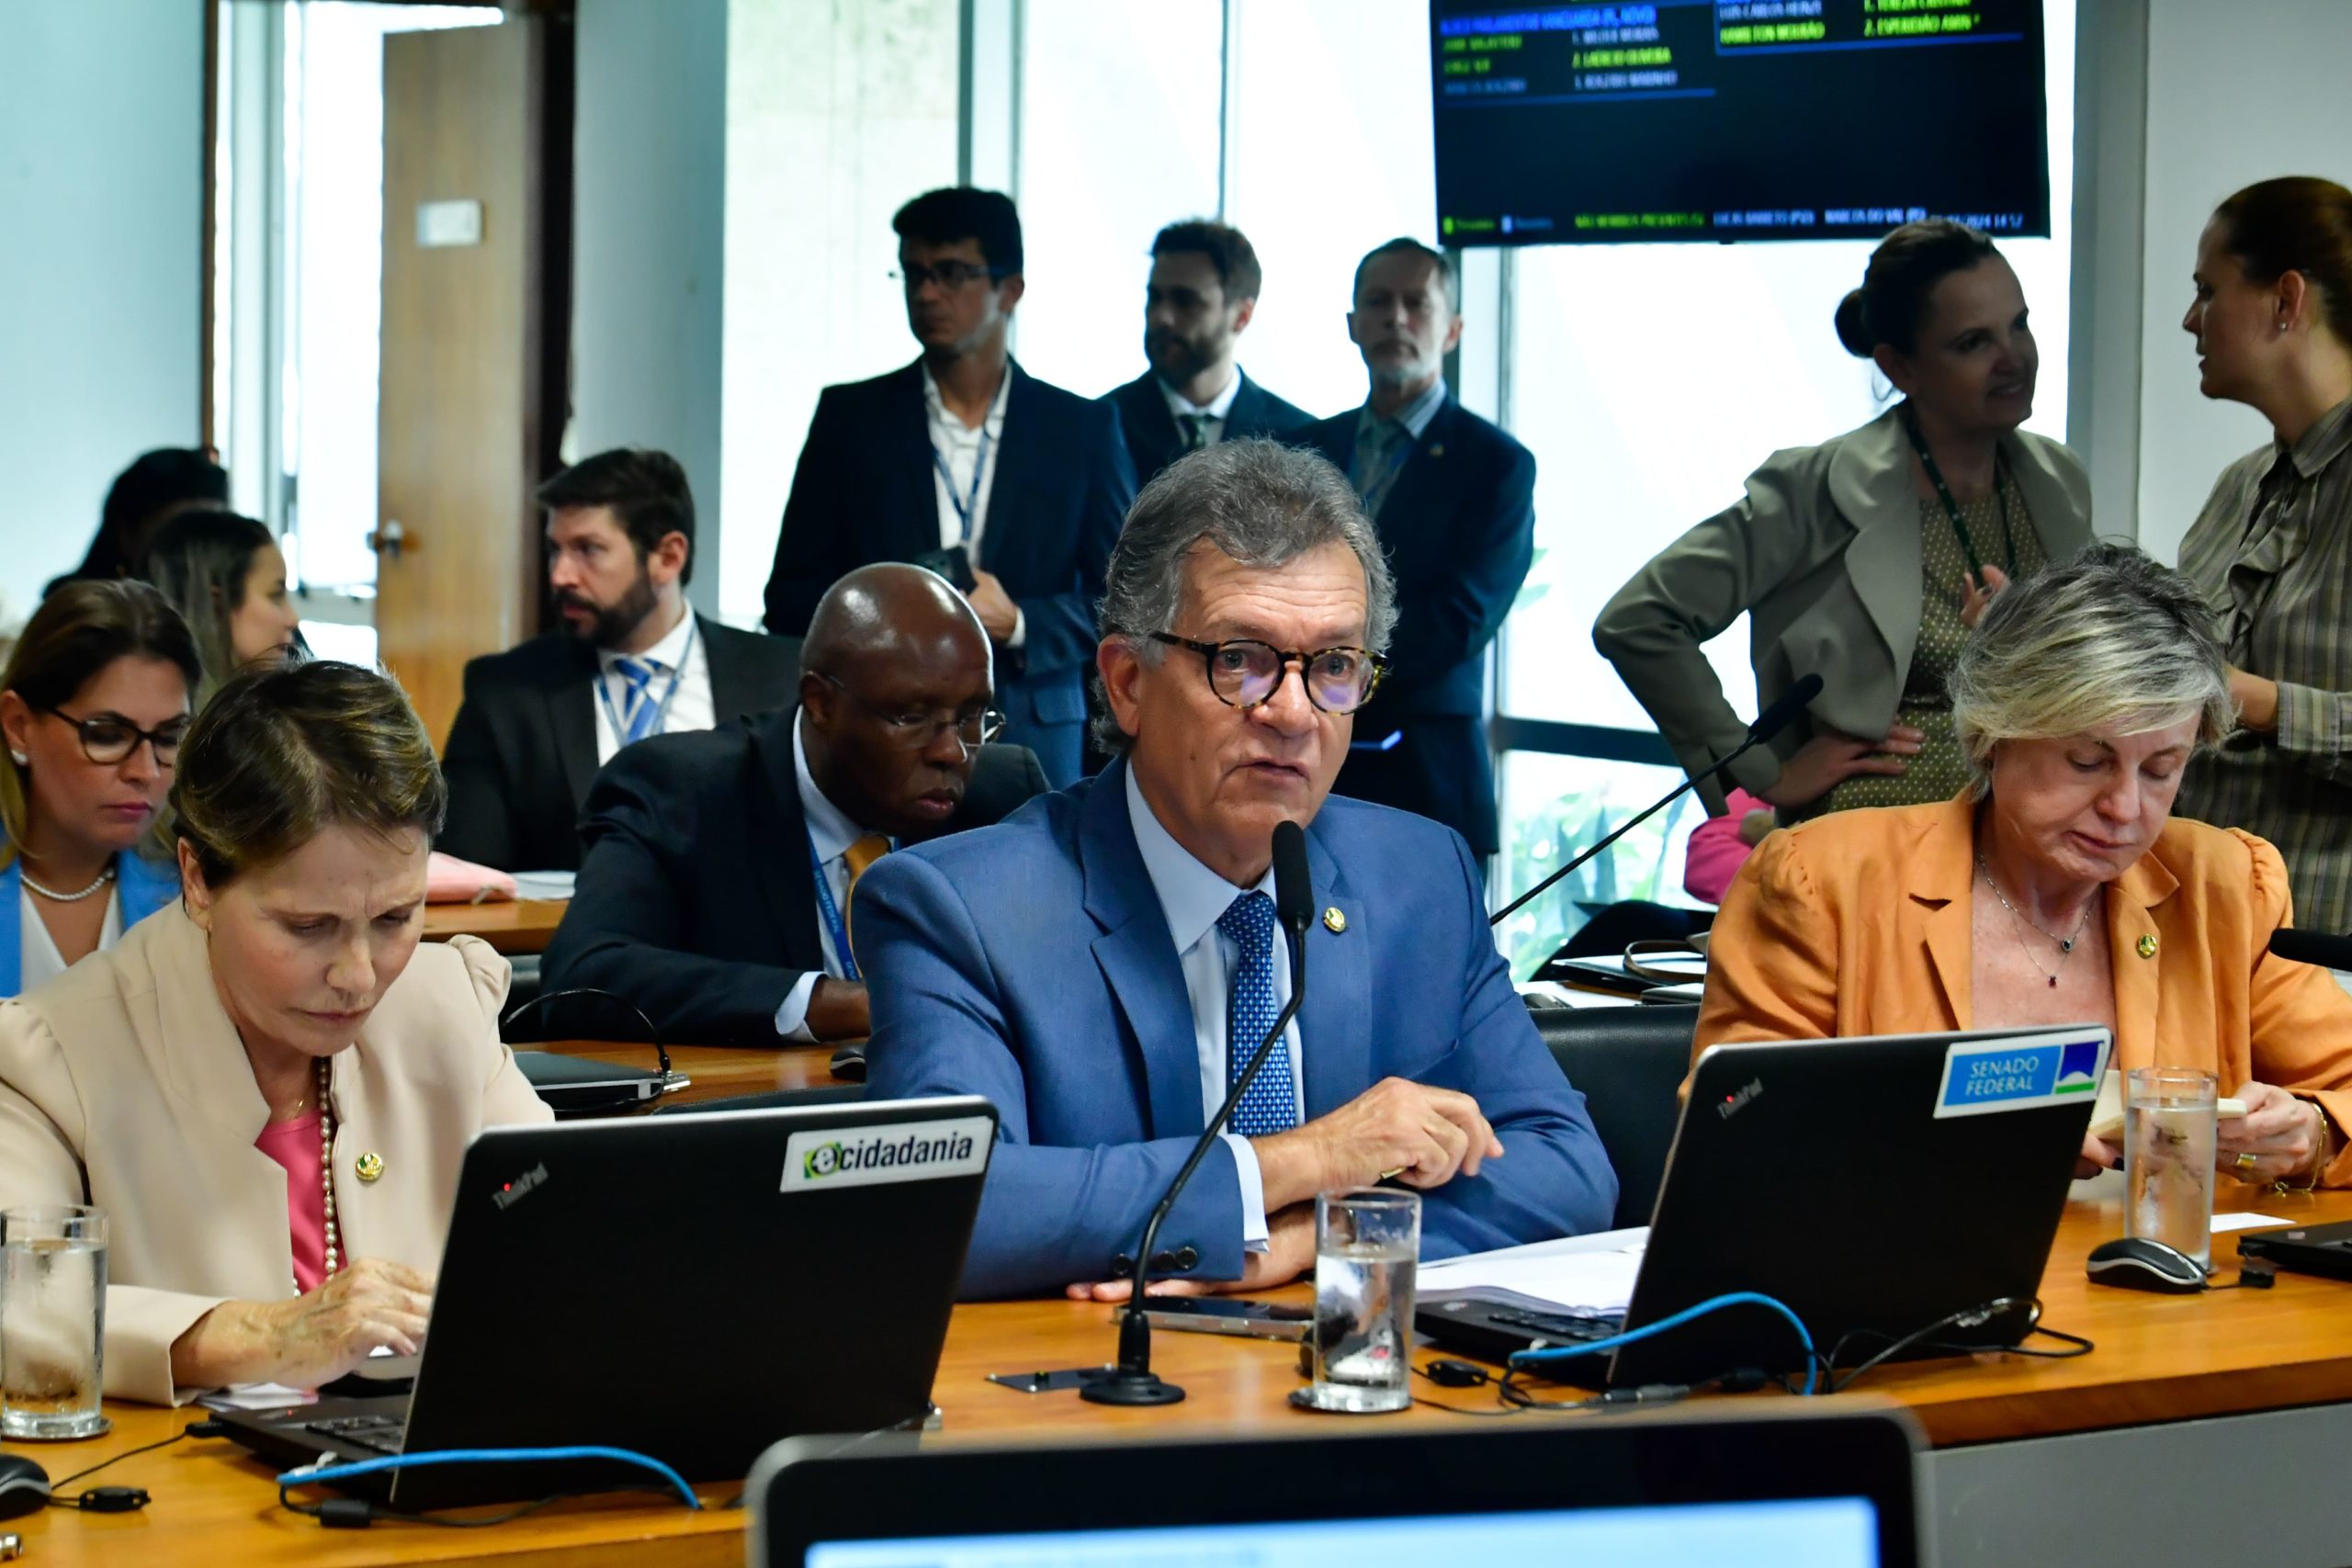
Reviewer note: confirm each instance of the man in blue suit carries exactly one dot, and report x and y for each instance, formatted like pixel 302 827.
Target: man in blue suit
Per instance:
pixel 1454 498
pixel 1008 488
pixel 1102 965
pixel 1201 295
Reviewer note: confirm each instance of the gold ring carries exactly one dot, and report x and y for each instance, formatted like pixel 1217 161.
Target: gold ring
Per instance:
pixel 2245 1160
pixel 1392 1175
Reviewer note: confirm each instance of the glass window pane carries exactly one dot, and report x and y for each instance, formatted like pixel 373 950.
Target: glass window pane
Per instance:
pixel 1554 808
pixel 1332 154
pixel 1119 135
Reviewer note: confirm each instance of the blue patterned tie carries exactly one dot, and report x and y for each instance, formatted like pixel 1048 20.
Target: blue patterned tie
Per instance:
pixel 1271 1106
pixel 641 709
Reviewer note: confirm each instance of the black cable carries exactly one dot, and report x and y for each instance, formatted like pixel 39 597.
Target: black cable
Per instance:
pixel 652 1034
pixel 1967 1316
pixel 194 1428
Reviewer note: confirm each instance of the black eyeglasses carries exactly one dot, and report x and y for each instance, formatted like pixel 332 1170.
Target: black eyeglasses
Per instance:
pixel 1244 673
pixel 916 731
pixel 949 275
pixel 108 737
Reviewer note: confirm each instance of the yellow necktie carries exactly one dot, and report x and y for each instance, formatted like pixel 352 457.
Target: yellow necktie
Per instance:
pixel 857 857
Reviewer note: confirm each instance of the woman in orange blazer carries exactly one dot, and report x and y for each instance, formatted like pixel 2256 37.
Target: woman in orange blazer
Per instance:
pixel 268 1086
pixel 2057 889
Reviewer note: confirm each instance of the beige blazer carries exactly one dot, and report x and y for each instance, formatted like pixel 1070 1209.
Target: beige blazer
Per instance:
pixel 123 1084
pixel 1823 555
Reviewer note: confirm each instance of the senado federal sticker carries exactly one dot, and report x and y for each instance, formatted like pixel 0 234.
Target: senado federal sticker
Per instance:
pixel 894 1151
pixel 2021 1073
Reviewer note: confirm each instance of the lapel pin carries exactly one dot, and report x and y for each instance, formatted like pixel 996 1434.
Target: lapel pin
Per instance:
pixel 2147 947
pixel 1334 921
pixel 1437 449
pixel 367 1167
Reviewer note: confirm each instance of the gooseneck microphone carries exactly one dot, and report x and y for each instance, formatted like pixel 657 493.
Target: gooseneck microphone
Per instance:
pixel 2313 947
pixel 1135 1382
pixel 1769 723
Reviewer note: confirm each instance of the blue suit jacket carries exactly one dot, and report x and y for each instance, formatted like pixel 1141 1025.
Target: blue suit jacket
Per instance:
pixel 1030 963
pixel 146 886
pixel 1458 526
pixel 1153 440
pixel 862 492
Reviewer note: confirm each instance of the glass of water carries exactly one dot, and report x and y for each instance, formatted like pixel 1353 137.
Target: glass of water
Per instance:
pixel 1367 1243
pixel 2168 1139
pixel 52 1320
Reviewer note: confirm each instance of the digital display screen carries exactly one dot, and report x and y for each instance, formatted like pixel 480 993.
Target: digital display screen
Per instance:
pixel 1738 120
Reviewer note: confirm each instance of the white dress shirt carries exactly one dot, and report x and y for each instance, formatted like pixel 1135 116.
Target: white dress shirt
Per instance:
pixel 692 707
pixel 1217 407
pixel 38 952
pixel 957 446
pixel 832 833
pixel 1193 897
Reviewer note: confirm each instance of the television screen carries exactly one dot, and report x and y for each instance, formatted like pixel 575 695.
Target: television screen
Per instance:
pixel 1737 119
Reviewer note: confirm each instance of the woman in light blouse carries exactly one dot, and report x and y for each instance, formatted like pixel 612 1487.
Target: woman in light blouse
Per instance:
pixel 268 1086
pixel 2272 551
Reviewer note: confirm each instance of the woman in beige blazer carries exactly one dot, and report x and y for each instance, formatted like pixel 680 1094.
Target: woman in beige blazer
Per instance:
pixel 267 1086
pixel 1865 559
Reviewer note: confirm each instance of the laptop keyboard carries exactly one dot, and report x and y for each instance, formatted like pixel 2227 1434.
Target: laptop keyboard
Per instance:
pixel 1557 1327
pixel 383 1434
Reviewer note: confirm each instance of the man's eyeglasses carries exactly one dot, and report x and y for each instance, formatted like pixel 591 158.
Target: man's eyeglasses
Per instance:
pixel 1245 673
pixel 916 731
pixel 108 737
pixel 949 275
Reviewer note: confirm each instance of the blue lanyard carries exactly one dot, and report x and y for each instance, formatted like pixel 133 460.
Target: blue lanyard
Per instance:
pixel 834 926
pixel 970 504
pixel 662 709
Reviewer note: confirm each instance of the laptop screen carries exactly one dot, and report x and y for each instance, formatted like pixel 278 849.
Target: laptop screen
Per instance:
pixel 1825 1532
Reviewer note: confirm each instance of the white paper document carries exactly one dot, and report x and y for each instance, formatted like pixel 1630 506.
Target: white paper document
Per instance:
pixel 2246 1222
pixel 1591 1275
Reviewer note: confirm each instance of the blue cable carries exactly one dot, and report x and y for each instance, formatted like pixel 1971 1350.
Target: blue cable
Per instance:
pixel 1737 1298
pixel 309 1474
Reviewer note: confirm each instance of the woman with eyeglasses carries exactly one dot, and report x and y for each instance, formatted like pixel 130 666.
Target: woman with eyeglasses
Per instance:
pixel 93 703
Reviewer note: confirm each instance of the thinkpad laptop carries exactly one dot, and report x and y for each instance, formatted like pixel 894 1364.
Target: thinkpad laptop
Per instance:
pixel 1872 1185
pixel 1791 1489
pixel 692 1289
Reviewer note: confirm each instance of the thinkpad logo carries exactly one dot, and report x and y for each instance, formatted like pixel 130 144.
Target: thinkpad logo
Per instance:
pixel 1736 1101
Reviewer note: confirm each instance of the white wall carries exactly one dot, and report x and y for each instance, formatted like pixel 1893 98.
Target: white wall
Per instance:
pixel 649 244
pixel 2238 91
pixel 101 238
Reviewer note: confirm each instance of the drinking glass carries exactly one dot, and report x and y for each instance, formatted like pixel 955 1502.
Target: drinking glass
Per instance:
pixel 52 1320
pixel 1367 1243
pixel 2169 1138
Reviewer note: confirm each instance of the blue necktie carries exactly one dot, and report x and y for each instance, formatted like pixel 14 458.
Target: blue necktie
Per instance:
pixel 1272 1105
pixel 641 709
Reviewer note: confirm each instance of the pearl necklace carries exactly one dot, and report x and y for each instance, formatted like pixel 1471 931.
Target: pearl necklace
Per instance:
pixel 104 877
pixel 327 1163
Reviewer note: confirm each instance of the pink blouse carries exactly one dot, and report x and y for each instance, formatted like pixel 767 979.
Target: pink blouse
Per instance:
pixel 1714 854
pixel 295 1145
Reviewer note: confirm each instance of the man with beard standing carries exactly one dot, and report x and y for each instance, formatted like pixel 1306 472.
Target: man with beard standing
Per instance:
pixel 1202 293
pixel 631 660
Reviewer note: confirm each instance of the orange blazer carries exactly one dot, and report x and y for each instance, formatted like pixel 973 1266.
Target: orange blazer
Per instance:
pixel 1858 923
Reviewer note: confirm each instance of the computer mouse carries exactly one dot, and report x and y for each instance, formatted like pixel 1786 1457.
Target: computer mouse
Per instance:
pixel 24 1486
pixel 849 1063
pixel 2138 1264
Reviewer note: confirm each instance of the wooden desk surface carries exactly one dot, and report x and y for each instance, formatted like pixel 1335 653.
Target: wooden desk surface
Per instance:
pixel 2159 1358
pixel 511 925
pixel 719 1072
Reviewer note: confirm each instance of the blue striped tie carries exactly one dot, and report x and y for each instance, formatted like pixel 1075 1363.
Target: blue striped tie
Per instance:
pixel 641 707
pixel 1272 1104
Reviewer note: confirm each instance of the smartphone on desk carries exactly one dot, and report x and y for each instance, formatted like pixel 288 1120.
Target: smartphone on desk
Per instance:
pixel 1226 1314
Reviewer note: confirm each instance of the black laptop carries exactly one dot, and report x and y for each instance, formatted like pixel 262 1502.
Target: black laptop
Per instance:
pixel 692 1289
pixel 1873 1185
pixel 1790 1490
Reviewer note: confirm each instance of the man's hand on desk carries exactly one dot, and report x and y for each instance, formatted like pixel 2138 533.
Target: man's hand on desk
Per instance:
pixel 1290 1252
pixel 1422 1136
pixel 838 1010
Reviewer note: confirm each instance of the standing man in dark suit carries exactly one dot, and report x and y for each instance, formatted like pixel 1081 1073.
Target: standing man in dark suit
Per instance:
pixel 631 660
pixel 1454 498
pixel 718 892
pixel 1204 290
pixel 1013 489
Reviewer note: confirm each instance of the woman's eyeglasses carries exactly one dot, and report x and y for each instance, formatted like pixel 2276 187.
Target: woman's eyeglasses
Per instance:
pixel 108 737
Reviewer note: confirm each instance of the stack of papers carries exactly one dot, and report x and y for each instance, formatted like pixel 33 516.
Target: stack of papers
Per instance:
pixel 1590 1276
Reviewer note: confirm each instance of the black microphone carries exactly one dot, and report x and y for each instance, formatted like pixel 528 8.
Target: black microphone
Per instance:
pixel 1135 1382
pixel 2312 947
pixel 1769 723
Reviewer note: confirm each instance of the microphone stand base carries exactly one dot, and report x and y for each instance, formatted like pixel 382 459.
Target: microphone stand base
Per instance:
pixel 1130 1388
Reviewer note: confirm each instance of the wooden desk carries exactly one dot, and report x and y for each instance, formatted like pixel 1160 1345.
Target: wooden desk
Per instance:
pixel 2248 1355
pixel 512 926
pixel 719 1072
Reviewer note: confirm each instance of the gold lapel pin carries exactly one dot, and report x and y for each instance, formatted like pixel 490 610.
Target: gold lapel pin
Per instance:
pixel 2147 947
pixel 1334 921
pixel 367 1167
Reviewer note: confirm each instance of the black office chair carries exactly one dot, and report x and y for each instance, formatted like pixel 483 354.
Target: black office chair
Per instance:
pixel 1628 1062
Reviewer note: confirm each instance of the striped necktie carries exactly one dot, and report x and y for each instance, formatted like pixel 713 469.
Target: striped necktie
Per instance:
pixel 641 711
